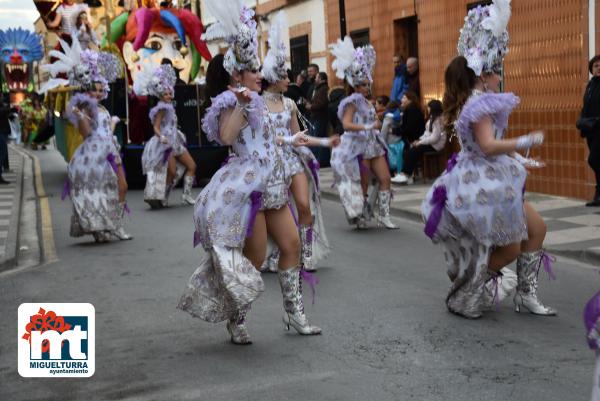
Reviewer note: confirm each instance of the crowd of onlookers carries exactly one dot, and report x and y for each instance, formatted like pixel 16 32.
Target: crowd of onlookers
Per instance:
pixel 409 132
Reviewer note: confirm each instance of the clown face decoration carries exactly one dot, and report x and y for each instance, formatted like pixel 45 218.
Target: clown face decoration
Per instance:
pixel 158 46
pixel 153 35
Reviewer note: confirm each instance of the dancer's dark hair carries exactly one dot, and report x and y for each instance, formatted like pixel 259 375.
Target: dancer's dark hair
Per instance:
pixel 217 80
pixel 460 81
pixel 435 111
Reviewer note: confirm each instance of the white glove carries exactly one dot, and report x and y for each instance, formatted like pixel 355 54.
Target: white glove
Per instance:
pixel 528 141
pixel 298 139
pixel 369 127
pixel 527 162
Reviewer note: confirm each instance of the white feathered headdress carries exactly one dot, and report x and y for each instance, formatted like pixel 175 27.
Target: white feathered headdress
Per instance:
pixel 355 65
pixel 484 37
pixel 81 67
pixel 155 81
pixel 274 67
pixel 235 24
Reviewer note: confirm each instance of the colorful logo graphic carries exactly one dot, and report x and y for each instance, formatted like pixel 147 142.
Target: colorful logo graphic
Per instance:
pixel 56 340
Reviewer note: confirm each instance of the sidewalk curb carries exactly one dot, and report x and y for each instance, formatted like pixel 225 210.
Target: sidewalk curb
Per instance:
pixel 12 241
pixel 585 256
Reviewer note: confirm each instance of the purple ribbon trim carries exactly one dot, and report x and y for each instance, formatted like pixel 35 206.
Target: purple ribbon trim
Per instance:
pixel 314 170
pixel 309 235
pixel 167 154
pixel 227 159
pixel 547 261
pixel 111 160
pixel 197 238
pixel 293 214
pixel 312 281
pixel 363 169
pixel 452 162
pixel 255 204
pixel 438 201
pixel 66 190
pixel 126 208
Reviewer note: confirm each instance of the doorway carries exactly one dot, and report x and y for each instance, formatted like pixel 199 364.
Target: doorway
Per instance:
pixel 299 54
pixel 406 37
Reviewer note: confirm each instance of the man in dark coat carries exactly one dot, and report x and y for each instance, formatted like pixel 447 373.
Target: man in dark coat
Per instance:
pixel 4 134
pixel 591 129
pixel 318 108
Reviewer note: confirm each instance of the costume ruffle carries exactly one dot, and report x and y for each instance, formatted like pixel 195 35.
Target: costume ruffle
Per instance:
pixel 226 100
pixel 83 102
pixel 495 105
pixel 359 101
pixel 162 106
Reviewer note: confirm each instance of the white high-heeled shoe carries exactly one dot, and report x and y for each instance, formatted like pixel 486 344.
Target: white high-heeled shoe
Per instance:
pixel 528 266
pixel 293 304
pixel 383 218
pixel 186 196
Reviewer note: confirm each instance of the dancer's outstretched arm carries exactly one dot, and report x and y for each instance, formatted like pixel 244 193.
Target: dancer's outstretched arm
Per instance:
pixel 490 146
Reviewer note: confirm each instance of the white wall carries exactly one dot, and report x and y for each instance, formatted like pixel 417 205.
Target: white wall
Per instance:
pixel 304 11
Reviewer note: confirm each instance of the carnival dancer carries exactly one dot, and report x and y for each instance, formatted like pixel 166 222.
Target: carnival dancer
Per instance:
pixel 591 317
pixel 476 209
pixel 247 199
pixel 362 148
pixel 165 156
pixel 301 165
pixel 93 182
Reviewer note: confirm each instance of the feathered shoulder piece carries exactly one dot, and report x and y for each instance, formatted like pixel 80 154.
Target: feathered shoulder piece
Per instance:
pixel 255 113
pixel 355 99
pixel 162 106
pixel 84 103
pixel 498 106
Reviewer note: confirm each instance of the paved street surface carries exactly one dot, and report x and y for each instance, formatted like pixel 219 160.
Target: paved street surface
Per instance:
pixel 573 228
pixel 386 332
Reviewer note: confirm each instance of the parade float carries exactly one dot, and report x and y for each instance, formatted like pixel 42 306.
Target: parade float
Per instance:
pixel 143 35
pixel 19 49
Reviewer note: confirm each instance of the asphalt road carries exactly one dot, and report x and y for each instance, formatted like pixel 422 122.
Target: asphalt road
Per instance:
pixel 386 332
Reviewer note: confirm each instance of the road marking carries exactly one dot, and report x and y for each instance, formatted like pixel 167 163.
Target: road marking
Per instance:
pixel 48 245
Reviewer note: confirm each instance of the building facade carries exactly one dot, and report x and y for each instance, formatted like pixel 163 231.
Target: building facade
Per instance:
pixel 306 36
pixel 551 43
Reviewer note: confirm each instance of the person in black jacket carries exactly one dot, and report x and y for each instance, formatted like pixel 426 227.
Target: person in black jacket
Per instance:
pixel 589 124
pixel 4 134
pixel 412 124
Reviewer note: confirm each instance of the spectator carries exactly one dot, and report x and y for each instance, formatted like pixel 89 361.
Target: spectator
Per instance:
pixel 336 95
pixel 398 85
pixel 15 125
pixel 412 124
pixel 4 134
pixel 589 124
pixel 381 104
pixel 318 108
pixel 302 82
pixel 432 140
pixel 312 72
pixel 411 80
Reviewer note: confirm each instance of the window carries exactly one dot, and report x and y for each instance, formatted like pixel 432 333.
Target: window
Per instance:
pixel 360 37
pixel 478 3
pixel 299 53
